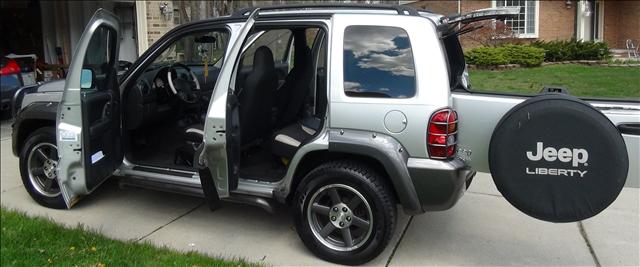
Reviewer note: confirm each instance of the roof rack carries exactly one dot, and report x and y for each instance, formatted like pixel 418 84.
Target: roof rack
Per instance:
pixel 401 9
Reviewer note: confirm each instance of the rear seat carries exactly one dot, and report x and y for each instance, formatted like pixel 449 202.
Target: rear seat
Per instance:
pixel 286 141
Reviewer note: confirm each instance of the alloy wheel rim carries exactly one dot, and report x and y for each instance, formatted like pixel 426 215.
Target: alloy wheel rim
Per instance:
pixel 42 165
pixel 340 217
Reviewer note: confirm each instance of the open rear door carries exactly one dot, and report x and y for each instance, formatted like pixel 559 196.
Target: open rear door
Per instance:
pixel 88 123
pixel 553 156
pixel 221 129
pixel 448 24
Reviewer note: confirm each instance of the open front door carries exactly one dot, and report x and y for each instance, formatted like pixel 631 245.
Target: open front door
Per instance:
pixel 221 129
pixel 88 123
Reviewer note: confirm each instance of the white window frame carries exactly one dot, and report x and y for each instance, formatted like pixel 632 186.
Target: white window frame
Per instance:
pixel 536 32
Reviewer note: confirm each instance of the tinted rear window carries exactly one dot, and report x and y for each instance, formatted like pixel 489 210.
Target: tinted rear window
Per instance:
pixel 378 62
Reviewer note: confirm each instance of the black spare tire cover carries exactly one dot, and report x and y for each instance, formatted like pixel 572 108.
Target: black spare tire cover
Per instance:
pixel 558 159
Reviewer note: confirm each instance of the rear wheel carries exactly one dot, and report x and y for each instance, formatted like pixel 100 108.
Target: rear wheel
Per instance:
pixel 344 212
pixel 38 168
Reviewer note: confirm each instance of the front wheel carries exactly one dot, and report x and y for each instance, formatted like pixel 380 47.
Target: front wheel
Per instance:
pixel 345 212
pixel 38 168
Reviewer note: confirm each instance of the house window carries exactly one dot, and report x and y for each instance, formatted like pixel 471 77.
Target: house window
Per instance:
pixel 526 24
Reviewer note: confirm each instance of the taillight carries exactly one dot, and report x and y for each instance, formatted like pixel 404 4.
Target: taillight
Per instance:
pixel 442 134
pixel 11 68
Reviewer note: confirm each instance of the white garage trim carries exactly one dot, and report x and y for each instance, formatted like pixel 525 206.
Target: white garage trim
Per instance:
pixel 141 21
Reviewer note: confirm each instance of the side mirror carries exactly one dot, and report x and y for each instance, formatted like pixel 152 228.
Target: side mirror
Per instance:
pixel 86 79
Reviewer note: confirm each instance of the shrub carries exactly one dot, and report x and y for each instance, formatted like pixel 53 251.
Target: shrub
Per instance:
pixel 507 54
pixel 485 56
pixel 523 54
pixel 573 50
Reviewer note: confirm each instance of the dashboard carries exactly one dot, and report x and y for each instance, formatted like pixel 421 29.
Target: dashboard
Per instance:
pixel 151 99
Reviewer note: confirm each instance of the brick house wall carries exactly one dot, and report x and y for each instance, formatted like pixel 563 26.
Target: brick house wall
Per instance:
pixel 468 6
pixel 557 22
pixel 557 19
pixel 157 23
pixel 621 22
pixel 440 7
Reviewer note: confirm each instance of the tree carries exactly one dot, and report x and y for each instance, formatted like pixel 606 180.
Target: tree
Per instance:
pixel 491 33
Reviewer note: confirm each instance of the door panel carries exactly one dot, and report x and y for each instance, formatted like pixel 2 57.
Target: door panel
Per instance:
pixel 218 131
pixel 103 151
pixel 476 127
pixel 88 123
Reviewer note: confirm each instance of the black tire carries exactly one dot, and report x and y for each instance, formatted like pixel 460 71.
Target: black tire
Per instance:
pixel 371 187
pixel 40 136
pixel 588 178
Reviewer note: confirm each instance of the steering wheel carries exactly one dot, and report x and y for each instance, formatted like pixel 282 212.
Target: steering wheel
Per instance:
pixel 181 87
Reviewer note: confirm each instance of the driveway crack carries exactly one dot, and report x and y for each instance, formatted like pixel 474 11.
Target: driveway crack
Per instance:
pixel 393 252
pixel 584 235
pixel 11 188
pixel 175 219
pixel 484 194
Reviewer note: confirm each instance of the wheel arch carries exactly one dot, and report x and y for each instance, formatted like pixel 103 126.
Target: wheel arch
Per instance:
pixel 318 157
pixel 34 116
pixel 382 153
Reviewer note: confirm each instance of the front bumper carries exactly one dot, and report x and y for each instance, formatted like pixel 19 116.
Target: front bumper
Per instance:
pixel 439 184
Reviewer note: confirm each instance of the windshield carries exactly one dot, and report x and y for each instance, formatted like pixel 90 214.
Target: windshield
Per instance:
pixel 195 49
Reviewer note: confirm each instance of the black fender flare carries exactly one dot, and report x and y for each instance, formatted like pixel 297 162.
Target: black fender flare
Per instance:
pixel 386 150
pixel 41 111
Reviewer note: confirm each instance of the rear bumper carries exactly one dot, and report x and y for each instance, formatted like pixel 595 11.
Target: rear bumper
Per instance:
pixel 439 184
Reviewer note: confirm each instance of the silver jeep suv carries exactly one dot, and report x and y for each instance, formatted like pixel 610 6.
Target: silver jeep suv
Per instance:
pixel 341 111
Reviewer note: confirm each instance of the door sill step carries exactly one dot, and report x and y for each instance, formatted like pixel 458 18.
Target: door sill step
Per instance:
pixel 160 186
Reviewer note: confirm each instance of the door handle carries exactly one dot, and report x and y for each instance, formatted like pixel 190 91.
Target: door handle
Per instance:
pixel 629 128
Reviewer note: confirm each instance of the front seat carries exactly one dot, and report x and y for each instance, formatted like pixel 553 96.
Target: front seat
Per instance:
pixel 256 97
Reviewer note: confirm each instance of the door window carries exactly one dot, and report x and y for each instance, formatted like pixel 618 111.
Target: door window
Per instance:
pixel 378 62
pixel 100 57
pixel 276 40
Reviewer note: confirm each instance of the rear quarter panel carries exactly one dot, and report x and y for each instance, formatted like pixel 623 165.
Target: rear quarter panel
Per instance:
pixel 368 114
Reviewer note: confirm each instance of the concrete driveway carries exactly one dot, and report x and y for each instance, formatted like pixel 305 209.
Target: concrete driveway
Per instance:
pixel 482 229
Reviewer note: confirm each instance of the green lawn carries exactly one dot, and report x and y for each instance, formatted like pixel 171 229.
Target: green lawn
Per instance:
pixel 584 81
pixel 39 242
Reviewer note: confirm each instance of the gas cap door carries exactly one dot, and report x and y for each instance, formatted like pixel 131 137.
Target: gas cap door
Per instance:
pixel 395 121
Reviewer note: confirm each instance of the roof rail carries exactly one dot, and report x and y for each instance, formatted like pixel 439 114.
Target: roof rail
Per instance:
pixel 401 9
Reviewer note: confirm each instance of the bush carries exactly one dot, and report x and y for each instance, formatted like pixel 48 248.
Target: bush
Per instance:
pixel 523 54
pixel 485 56
pixel 573 50
pixel 507 54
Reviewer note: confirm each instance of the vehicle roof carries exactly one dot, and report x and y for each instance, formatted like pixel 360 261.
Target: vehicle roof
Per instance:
pixel 336 8
pixel 309 10
pixel 316 10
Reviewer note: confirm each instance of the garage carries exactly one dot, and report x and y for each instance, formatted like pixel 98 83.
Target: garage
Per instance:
pixel 39 38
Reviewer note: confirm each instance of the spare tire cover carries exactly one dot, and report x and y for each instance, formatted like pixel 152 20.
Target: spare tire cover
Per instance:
pixel 556 158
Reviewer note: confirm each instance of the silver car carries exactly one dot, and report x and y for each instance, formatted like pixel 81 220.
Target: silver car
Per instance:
pixel 342 112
